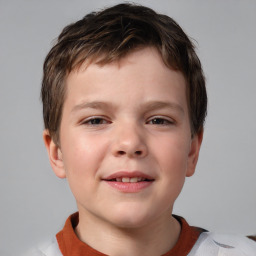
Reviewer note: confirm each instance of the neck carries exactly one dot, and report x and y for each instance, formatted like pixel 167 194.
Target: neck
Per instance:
pixel 155 238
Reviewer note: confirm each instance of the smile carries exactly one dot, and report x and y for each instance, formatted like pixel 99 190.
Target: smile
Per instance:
pixel 129 180
pixel 128 176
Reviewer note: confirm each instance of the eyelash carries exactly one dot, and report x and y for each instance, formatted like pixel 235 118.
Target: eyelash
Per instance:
pixel 96 121
pixel 163 121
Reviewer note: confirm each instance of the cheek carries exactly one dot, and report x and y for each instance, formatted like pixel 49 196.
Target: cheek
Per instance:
pixel 82 155
pixel 81 161
pixel 173 154
pixel 173 163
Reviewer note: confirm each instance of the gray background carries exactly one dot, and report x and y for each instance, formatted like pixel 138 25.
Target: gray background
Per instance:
pixel 221 195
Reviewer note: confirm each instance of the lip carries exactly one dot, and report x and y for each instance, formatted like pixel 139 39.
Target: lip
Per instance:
pixel 128 174
pixel 129 187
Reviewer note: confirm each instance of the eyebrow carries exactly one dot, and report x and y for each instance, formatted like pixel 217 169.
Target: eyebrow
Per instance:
pixel 149 106
pixel 92 104
pixel 154 105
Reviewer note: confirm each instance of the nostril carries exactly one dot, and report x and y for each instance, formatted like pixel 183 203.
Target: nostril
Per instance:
pixel 135 153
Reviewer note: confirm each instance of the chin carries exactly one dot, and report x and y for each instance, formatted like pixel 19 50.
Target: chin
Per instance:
pixel 131 218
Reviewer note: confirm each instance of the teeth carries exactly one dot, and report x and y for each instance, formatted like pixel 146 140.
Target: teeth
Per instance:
pixel 125 179
pixel 132 180
pixel 135 179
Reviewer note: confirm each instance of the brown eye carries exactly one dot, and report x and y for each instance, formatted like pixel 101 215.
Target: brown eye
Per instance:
pixel 95 121
pixel 159 121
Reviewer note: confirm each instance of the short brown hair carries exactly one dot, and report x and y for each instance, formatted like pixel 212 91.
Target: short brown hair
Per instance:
pixel 109 35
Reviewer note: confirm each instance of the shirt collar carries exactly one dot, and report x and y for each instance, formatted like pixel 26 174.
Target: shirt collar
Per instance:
pixel 70 245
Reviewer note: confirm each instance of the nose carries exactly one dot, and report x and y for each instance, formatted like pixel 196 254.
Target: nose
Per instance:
pixel 129 140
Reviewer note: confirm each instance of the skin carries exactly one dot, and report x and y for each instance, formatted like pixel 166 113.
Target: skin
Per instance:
pixel 125 116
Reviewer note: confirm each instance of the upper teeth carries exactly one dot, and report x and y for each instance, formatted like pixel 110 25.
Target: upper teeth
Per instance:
pixel 126 179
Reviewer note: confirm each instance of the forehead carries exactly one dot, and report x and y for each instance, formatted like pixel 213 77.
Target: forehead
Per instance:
pixel 141 72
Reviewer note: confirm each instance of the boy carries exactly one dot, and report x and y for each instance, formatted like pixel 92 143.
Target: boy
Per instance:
pixel 124 105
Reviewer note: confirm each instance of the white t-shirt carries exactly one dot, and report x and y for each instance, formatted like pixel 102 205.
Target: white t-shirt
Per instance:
pixel 208 244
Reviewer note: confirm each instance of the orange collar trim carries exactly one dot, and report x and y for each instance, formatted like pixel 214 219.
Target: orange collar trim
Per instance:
pixel 70 245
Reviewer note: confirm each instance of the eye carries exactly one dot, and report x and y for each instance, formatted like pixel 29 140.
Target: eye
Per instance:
pixel 160 121
pixel 94 121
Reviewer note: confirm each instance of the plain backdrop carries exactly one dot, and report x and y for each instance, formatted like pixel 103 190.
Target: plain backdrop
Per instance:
pixel 220 197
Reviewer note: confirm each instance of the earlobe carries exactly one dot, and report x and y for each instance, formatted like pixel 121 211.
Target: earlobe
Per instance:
pixel 194 153
pixel 55 155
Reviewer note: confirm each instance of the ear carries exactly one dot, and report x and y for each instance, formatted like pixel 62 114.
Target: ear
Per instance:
pixel 193 155
pixel 55 155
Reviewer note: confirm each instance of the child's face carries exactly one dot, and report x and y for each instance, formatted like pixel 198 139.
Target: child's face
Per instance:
pixel 127 119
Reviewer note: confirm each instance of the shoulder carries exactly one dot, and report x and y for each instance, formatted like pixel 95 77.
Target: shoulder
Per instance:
pixel 213 244
pixel 49 248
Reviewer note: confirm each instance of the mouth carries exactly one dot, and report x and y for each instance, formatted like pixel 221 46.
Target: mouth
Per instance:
pixel 129 182
pixel 129 177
